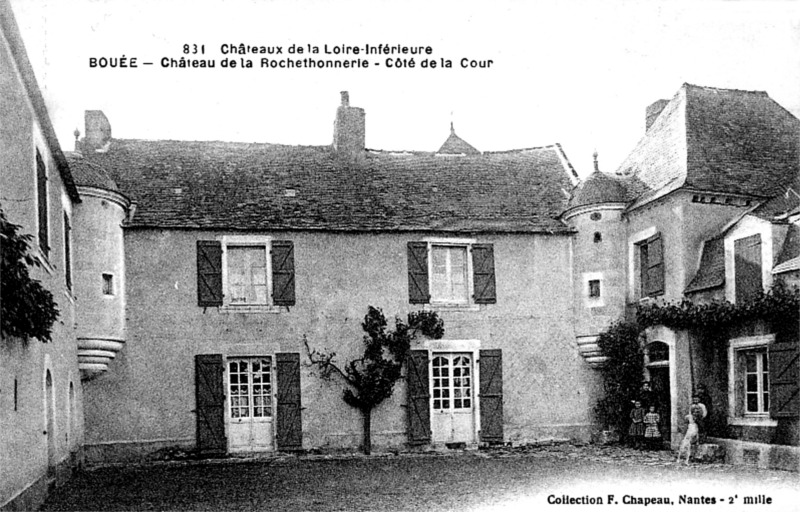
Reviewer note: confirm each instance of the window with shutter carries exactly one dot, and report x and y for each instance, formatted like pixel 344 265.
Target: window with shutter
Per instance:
pixel 451 273
pixel 651 266
pixel 747 268
pixel 250 274
pixel 42 202
pixel 751 385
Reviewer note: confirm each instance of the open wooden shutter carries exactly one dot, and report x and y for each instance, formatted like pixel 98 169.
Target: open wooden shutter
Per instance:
pixel 209 273
pixel 483 274
pixel 418 407
pixel 418 291
pixel 491 395
pixel 42 201
pixel 784 374
pixel 283 273
pixel 209 404
pixel 738 383
pixel 747 268
pixel 290 424
pixel 652 266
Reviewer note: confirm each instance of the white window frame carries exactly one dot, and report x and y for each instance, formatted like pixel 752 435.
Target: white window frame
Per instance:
pixel 735 346
pixel 247 241
pixel 467 244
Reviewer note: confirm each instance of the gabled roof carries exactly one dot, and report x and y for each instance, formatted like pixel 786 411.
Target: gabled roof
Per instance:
pixel 226 185
pixel 718 140
pixel 10 30
pixel 455 145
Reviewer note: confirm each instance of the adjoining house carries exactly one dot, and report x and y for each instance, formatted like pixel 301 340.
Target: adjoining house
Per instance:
pixel 41 420
pixel 235 252
pixel 704 208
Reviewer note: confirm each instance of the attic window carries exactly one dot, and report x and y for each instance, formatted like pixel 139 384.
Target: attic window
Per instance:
pixel 290 192
pixel 178 190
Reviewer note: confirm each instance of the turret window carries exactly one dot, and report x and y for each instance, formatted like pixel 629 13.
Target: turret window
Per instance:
pixel 108 284
pixel 594 289
pixel 598 237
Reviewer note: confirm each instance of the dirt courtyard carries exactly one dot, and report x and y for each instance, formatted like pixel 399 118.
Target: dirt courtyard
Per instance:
pixel 561 477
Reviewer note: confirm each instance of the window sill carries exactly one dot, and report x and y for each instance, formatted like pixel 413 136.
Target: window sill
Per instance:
pixel 68 294
pixel 753 421
pixel 44 260
pixel 455 307
pixel 252 309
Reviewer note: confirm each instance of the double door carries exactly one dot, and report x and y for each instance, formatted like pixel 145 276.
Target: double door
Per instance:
pixel 250 408
pixel 452 398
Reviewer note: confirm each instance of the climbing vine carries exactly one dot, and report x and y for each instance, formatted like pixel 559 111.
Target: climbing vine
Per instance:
pixel 622 373
pixel 370 379
pixel 780 304
pixel 27 309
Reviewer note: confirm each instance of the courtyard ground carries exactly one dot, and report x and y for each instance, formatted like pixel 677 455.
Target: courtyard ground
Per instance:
pixel 561 477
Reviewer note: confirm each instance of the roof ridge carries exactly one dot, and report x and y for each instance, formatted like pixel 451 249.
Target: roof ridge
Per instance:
pixel 710 88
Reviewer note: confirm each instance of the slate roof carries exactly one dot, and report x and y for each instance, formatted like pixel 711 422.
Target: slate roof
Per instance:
pixel 718 140
pixel 711 273
pixel 455 145
pixel 225 185
pixel 598 188
pixel 89 174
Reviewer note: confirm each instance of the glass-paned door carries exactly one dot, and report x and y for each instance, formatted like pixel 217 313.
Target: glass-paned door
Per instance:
pixel 452 398
pixel 250 408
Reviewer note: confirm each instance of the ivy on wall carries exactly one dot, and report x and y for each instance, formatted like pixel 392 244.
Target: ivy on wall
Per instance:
pixel 780 304
pixel 27 309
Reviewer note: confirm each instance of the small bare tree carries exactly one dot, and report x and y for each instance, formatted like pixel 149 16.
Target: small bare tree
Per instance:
pixel 370 379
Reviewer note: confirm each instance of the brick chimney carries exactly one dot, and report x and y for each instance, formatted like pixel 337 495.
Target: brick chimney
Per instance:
pixel 98 130
pixel 653 110
pixel 348 129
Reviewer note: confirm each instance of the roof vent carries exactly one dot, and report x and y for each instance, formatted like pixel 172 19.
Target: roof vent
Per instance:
pixel 290 192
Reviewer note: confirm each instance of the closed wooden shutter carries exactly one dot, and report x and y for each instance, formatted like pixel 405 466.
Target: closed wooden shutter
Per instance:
pixel 418 407
pixel 491 395
pixel 209 273
pixel 209 404
pixel 747 267
pixel 483 274
pixel 651 262
pixel 418 290
pixel 42 201
pixel 283 273
pixel 784 374
pixel 290 423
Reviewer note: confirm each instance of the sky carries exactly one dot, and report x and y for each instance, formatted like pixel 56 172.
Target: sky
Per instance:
pixel 580 73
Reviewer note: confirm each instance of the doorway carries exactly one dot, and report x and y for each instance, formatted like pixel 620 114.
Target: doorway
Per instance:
pixel 452 398
pixel 250 410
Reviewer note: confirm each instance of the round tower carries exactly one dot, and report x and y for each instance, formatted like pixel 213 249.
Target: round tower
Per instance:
pixel 99 283
pixel 595 211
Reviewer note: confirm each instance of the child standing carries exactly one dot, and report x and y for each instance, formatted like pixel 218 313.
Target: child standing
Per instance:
pixel 699 412
pixel 652 432
pixel 636 431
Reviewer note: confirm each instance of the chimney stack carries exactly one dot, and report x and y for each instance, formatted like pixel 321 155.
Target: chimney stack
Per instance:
pixel 652 112
pixel 98 130
pixel 349 131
